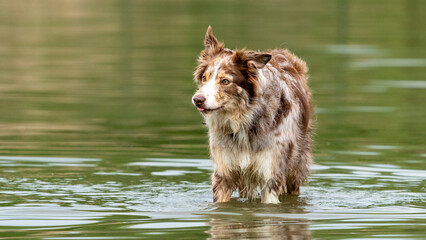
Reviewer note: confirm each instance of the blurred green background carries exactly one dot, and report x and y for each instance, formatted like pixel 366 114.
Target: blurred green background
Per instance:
pixel 90 77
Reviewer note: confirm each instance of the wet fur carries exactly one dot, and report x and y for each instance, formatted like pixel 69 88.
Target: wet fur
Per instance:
pixel 260 138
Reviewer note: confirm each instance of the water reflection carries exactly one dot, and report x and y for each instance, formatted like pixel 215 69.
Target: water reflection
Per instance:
pixel 390 62
pixel 205 164
pixel 50 215
pixel 261 228
pixel 226 222
pixel 353 49
pixel 385 85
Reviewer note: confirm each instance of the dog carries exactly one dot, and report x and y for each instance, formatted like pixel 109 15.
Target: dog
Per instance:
pixel 257 107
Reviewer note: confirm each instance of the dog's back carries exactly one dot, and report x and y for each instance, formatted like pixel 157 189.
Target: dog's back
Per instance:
pixel 296 118
pixel 258 110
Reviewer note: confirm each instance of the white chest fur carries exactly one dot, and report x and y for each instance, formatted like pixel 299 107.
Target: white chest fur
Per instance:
pixel 246 162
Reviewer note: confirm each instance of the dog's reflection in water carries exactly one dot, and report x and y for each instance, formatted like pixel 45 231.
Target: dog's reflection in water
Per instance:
pixel 236 220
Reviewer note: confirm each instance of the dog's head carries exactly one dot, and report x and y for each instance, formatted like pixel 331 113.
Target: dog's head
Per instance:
pixel 227 79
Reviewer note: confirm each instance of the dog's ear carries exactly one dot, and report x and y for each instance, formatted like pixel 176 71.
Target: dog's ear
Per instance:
pixel 258 60
pixel 211 45
pixel 210 40
pixel 251 59
pixel 248 62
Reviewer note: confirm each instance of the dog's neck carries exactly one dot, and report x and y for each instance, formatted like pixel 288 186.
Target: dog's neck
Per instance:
pixel 236 125
pixel 225 123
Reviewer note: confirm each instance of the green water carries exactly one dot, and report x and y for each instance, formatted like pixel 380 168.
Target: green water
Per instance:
pixel 99 139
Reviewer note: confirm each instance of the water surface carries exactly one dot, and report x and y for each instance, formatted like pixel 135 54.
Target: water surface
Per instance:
pixel 99 140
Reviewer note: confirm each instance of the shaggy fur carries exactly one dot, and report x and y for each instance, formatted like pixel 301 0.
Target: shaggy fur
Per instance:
pixel 258 111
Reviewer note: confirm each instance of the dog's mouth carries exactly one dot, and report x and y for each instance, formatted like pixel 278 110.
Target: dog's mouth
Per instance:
pixel 207 110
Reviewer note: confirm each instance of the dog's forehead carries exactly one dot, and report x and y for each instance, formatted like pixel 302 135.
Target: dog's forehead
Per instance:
pixel 220 63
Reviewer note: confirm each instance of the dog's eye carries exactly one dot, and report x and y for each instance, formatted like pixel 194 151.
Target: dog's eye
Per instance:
pixel 225 82
pixel 204 79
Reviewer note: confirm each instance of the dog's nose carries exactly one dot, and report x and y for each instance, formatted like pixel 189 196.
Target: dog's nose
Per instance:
pixel 198 100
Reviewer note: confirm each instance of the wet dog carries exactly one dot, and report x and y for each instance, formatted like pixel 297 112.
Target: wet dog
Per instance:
pixel 257 106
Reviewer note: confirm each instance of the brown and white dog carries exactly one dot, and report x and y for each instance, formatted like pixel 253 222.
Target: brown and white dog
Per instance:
pixel 259 115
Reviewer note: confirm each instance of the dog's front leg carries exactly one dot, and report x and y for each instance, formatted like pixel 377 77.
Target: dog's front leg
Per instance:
pixel 222 187
pixel 269 196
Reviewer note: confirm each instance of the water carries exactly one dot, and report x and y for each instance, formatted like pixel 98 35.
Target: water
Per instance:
pixel 99 140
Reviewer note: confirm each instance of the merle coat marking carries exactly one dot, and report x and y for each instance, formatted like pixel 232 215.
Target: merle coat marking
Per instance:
pixel 257 106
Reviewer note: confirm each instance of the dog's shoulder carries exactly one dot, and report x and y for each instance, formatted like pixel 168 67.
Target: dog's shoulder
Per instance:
pixel 283 59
